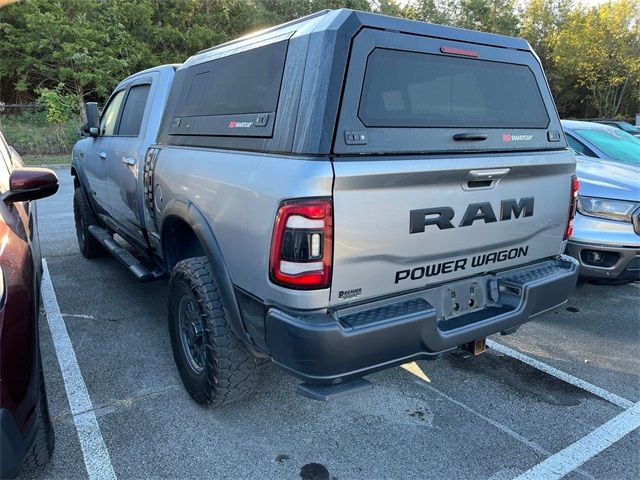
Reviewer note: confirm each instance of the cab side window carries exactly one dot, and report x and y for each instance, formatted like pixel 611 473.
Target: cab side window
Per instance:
pixel 133 111
pixel 110 114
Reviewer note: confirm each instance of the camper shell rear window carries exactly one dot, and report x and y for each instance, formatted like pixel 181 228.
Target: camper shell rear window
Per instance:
pixel 413 89
pixel 415 94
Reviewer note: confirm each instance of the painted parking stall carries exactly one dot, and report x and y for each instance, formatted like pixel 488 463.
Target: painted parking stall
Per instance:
pixel 530 406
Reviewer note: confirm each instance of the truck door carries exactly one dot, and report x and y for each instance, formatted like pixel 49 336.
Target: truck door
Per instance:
pixel 124 162
pixel 95 162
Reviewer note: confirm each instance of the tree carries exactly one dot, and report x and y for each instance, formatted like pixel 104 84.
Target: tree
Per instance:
pixel 85 47
pixel 73 45
pixel 433 11
pixel 388 7
pixel 495 16
pixel 601 47
pixel 541 22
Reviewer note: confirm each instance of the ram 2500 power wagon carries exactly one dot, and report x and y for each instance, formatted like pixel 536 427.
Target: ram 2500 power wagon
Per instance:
pixel 340 194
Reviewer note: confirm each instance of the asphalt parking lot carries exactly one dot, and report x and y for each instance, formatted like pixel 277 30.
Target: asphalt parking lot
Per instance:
pixel 565 389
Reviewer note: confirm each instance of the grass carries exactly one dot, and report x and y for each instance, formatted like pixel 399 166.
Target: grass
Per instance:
pixel 31 136
pixel 37 160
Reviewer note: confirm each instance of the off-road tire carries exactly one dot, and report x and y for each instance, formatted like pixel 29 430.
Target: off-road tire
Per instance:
pixel 44 442
pixel 89 246
pixel 228 368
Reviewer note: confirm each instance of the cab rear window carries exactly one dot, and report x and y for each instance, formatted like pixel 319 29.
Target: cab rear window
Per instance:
pixel 410 89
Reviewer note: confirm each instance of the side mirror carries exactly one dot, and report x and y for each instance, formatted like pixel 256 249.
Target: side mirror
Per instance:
pixel 91 128
pixel 26 184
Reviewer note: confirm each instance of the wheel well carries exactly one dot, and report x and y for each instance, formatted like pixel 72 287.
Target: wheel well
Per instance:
pixel 179 241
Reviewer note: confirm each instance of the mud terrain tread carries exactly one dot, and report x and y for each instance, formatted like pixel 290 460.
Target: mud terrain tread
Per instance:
pixel 230 368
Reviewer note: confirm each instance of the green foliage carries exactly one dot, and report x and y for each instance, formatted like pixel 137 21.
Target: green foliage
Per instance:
pixel 82 48
pixel 32 134
pixel 38 160
pixel 600 49
pixel 59 107
pixel 433 11
pixel 495 16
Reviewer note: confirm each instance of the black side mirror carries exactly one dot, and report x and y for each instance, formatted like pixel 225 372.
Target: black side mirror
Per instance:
pixel 91 128
pixel 26 184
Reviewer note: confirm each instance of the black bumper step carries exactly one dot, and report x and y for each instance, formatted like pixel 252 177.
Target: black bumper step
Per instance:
pixel 138 267
pixel 327 392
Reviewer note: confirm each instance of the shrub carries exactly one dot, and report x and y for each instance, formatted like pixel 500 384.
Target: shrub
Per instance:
pixel 31 134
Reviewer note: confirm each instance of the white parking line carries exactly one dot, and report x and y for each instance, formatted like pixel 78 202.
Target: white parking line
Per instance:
pixel 567 460
pixel 418 372
pixel 565 377
pixel 94 450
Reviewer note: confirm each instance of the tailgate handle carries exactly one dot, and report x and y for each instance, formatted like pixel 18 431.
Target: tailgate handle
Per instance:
pixel 470 137
pixel 493 174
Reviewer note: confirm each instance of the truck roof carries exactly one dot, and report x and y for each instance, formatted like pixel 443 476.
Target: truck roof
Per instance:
pixel 348 22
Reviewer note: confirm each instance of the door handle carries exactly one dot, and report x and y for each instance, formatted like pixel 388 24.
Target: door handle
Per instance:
pixel 473 137
pixel 102 155
pixel 492 174
pixel 129 160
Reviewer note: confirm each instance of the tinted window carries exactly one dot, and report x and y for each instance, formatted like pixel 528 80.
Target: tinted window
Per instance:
pixel 580 147
pixel 409 89
pixel 619 145
pixel 247 82
pixel 110 114
pixel 133 110
pixel 627 127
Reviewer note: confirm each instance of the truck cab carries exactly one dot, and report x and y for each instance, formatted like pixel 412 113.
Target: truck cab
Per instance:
pixel 112 158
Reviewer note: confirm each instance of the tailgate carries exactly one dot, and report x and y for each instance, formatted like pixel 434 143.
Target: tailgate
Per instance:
pixel 403 224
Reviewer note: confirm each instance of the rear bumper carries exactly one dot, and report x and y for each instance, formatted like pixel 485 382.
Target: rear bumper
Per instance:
pixel 606 262
pixel 335 347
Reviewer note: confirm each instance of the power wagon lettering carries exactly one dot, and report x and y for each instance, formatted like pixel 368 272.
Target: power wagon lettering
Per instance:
pixel 459 264
pixel 442 216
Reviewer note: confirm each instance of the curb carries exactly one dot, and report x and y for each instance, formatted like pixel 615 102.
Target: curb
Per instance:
pixel 53 165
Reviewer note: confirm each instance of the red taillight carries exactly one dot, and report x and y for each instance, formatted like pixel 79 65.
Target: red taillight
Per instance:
pixel 460 51
pixel 575 185
pixel 302 245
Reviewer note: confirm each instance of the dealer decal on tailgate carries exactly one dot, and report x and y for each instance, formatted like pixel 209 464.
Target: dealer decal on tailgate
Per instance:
pixel 460 264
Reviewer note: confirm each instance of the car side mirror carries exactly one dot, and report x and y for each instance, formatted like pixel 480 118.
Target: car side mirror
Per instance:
pixel 91 128
pixel 26 184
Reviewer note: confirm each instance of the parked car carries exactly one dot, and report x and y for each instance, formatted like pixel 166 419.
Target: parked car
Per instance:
pixel 341 194
pixel 26 434
pixel 626 126
pixel 606 233
pixel 602 141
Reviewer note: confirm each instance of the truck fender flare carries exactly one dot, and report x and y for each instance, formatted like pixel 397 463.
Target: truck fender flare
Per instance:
pixel 83 183
pixel 192 216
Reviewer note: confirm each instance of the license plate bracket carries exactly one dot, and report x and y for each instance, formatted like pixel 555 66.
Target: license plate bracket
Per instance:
pixel 462 298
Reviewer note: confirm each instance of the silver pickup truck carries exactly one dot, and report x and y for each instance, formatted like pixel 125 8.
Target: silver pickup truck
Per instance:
pixel 339 194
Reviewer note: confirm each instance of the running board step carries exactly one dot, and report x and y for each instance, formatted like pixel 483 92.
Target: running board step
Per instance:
pixel 139 269
pixel 331 392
